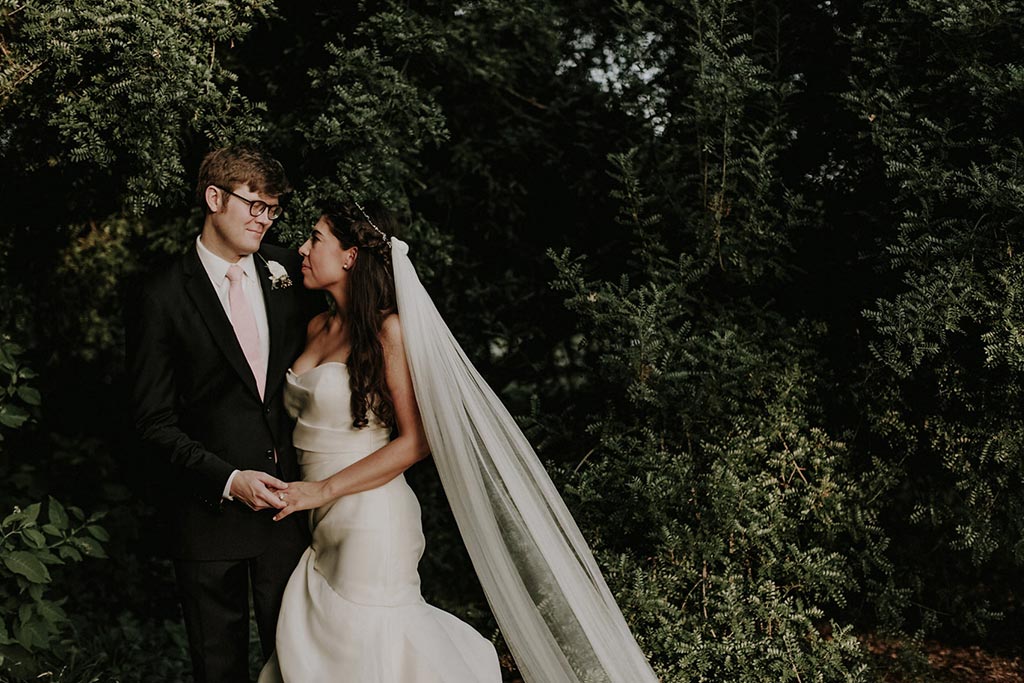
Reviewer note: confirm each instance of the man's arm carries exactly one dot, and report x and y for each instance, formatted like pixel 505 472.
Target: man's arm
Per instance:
pixel 151 372
pixel 150 349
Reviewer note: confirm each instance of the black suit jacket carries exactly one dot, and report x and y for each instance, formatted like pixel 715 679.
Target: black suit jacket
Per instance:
pixel 197 410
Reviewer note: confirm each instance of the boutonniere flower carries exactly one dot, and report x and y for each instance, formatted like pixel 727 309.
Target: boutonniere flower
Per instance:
pixel 278 275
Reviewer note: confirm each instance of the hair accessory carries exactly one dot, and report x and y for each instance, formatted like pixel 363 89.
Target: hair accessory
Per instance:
pixel 372 224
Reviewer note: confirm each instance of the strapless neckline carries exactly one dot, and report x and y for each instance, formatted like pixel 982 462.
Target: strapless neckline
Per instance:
pixel 316 367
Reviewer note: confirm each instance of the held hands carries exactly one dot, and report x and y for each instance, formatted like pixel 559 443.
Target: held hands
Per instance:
pixel 302 495
pixel 258 490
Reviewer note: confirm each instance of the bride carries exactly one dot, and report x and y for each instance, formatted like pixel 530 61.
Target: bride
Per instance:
pixel 352 610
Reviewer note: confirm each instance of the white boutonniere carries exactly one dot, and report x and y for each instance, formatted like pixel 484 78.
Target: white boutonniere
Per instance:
pixel 278 275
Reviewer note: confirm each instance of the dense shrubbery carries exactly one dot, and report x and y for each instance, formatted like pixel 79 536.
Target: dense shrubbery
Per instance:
pixel 36 541
pixel 749 271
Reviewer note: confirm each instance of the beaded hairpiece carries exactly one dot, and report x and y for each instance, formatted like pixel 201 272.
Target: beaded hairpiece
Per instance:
pixel 372 224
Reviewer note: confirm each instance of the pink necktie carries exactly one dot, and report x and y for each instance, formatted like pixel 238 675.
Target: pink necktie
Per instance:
pixel 244 322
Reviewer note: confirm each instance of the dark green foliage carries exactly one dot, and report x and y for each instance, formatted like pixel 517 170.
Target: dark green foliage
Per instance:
pixel 938 92
pixel 103 93
pixel 35 542
pixel 709 456
pixel 777 376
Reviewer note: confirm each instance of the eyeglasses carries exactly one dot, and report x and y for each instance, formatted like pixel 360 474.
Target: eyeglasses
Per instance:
pixel 257 207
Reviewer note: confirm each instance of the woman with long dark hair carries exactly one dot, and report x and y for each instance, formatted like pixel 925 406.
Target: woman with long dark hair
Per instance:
pixel 352 610
pixel 382 361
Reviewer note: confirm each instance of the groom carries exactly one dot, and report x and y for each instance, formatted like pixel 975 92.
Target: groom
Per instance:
pixel 208 349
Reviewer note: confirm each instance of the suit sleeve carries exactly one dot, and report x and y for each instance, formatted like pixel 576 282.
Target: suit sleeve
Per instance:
pixel 150 358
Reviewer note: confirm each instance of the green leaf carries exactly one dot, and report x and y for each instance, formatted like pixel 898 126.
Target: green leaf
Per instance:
pixel 69 553
pixel 34 634
pixel 28 565
pixel 89 546
pixel 51 612
pixel 32 512
pixel 12 416
pixel 35 591
pixel 98 532
pixel 34 537
pixel 52 530
pixel 58 517
pixel 46 557
pixel 29 395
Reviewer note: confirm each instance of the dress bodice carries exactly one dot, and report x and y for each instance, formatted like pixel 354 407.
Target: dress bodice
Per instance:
pixel 321 401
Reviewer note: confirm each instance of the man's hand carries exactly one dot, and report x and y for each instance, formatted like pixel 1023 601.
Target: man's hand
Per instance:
pixel 257 489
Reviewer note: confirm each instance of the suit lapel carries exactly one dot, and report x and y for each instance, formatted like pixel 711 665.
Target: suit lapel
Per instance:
pixel 277 359
pixel 203 295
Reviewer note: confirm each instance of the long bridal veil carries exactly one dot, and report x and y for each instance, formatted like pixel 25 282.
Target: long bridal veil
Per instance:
pixel 543 585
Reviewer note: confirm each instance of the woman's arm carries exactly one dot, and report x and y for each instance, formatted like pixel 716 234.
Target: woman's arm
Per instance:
pixel 385 463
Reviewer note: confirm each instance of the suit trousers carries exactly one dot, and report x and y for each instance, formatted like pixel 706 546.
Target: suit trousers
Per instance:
pixel 214 596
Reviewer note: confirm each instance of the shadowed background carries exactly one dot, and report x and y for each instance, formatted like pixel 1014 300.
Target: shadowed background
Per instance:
pixel 748 273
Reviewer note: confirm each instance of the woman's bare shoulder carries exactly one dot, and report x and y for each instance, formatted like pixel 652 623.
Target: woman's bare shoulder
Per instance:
pixel 317 324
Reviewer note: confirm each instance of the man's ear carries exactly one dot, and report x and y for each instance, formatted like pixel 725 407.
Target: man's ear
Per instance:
pixel 213 198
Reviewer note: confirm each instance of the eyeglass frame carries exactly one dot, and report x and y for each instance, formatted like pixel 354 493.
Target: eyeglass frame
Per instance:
pixel 252 205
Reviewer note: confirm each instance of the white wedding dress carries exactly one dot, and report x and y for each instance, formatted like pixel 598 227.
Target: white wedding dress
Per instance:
pixel 352 610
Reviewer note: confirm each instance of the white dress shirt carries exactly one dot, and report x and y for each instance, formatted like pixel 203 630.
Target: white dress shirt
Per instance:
pixel 217 269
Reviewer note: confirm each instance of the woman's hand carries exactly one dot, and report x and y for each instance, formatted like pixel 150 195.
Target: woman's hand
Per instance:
pixel 302 495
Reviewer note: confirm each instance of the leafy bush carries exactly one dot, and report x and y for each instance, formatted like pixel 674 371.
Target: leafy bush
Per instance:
pixel 32 542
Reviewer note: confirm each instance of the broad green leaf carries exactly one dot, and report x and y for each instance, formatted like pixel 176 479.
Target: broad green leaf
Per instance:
pixel 58 517
pixel 89 546
pixel 51 612
pixel 29 395
pixel 32 635
pixel 28 565
pixel 12 416
pixel 34 537
pixel 98 532
pixel 32 512
pixel 47 557
pixel 69 553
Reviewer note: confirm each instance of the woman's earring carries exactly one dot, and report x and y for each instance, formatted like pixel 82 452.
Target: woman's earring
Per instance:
pixel 345 267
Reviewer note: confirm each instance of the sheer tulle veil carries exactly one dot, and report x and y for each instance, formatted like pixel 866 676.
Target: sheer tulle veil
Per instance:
pixel 543 585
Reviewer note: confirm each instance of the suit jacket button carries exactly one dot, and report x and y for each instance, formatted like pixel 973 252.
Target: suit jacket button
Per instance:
pixel 270 454
pixel 267 410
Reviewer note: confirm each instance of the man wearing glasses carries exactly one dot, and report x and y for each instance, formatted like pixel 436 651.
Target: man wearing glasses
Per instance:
pixel 208 348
